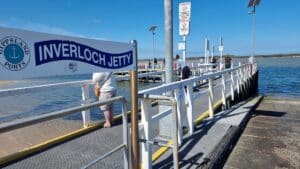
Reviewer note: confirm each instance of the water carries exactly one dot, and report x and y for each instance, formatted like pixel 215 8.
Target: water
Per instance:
pixel 15 107
pixel 279 77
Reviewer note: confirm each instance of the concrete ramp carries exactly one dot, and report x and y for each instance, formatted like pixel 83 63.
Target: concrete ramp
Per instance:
pixel 271 138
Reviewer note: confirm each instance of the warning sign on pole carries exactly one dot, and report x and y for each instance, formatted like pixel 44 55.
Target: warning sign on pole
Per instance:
pixel 185 11
pixel 184 28
pixel 184 18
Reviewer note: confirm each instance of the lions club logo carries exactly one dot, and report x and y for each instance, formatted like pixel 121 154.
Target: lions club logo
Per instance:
pixel 14 53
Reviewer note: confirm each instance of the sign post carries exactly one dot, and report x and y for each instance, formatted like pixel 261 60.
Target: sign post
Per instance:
pixel 135 151
pixel 184 24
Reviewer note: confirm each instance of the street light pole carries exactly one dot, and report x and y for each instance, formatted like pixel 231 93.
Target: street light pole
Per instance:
pixel 152 29
pixel 253 31
pixel 153 33
pixel 253 4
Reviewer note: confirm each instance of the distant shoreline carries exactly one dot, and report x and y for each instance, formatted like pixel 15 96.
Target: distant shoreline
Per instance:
pixel 274 55
pixel 296 55
pixel 5 82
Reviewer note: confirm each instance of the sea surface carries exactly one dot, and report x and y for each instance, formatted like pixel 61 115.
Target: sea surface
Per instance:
pixel 278 77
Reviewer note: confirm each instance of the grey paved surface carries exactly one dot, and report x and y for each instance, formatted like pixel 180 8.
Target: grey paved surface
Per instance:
pixel 271 139
pixel 78 152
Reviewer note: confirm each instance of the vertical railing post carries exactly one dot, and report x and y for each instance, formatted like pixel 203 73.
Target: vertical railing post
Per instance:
pixel 232 85
pixel 210 97
pixel 175 136
pixel 247 79
pixel 125 136
pixel 146 121
pixel 179 95
pixel 86 114
pixel 189 102
pixel 223 90
pixel 193 69
pixel 238 82
pixel 241 81
pixel 163 76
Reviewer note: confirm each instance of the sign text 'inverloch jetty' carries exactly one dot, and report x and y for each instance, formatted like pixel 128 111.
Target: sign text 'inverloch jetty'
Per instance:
pixel 56 50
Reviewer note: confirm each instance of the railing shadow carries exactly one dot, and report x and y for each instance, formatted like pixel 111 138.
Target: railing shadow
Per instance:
pixel 268 113
pixel 191 141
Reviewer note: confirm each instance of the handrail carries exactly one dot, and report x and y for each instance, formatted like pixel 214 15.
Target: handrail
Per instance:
pixel 104 156
pixel 175 85
pixel 37 88
pixel 8 126
pixel 5 127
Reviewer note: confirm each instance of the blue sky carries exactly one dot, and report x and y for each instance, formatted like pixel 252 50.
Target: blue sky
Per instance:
pixel 277 27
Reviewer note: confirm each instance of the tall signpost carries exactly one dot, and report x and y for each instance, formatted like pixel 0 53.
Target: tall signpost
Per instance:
pixel 184 25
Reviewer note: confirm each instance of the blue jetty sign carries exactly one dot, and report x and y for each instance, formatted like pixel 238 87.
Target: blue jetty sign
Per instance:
pixel 27 54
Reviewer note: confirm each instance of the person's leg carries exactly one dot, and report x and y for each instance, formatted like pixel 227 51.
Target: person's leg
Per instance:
pixel 108 118
pixel 108 110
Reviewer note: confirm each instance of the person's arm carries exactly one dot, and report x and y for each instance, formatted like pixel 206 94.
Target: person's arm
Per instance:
pixel 97 88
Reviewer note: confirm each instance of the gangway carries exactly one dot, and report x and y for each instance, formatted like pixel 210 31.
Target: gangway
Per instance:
pixel 235 81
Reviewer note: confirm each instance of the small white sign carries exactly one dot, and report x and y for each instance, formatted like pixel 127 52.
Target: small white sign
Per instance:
pixel 27 54
pixel 184 28
pixel 181 46
pixel 221 48
pixel 185 11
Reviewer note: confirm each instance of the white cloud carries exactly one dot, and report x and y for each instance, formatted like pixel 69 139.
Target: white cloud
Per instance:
pixel 21 24
pixel 96 21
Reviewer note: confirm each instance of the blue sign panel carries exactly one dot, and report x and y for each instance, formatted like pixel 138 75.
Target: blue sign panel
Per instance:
pixel 56 50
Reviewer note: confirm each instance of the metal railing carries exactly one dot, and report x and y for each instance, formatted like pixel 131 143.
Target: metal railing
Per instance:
pixel 197 69
pixel 186 98
pixel 5 127
pixel 147 119
pixel 41 88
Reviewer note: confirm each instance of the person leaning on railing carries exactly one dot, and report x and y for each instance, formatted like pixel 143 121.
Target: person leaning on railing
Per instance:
pixel 105 89
pixel 185 74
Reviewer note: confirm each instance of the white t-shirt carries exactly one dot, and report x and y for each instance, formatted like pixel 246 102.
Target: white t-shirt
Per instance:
pixel 180 63
pixel 105 80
